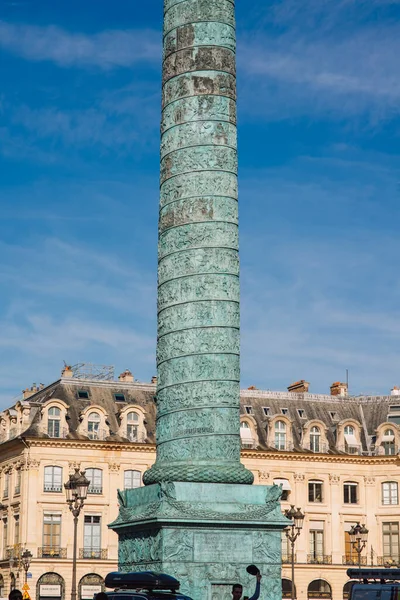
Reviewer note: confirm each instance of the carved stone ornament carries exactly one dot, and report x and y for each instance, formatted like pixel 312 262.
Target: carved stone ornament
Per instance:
pixel 74 464
pixel 263 475
pixel 33 464
pixel 369 480
pixel 300 477
pixel 114 467
pixel 334 479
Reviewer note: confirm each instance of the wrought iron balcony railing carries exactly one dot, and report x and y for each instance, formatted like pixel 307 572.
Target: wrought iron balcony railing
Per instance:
pixel 95 489
pixel 389 561
pixel 321 448
pixel 283 446
pixel 287 559
pixel 353 560
pixel 319 559
pixel 320 595
pixel 52 487
pixel 97 553
pixel 14 551
pixel 52 552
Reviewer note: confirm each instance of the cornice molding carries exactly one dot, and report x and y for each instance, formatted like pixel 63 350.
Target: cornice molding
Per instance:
pixel 324 458
pixel 90 444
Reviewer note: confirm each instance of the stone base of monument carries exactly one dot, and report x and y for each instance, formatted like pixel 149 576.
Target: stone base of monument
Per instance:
pixel 203 534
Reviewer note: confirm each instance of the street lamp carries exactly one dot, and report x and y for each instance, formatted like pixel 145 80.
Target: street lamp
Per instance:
pixel 292 533
pixel 358 539
pixel 26 558
pixel 76 489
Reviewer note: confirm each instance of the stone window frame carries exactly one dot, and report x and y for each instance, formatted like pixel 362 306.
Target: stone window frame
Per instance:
pixel 252 423
pixel 123 418
pixel 83 427
pixel 63 407
pixel 341 440
pixel 380 432
pixel 271 430
pixel 306 435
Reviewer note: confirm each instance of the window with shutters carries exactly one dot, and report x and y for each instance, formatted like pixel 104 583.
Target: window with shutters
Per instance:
pixel 390 533
pixel 51 534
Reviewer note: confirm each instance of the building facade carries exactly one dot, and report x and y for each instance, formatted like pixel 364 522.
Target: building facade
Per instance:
pixel 335 456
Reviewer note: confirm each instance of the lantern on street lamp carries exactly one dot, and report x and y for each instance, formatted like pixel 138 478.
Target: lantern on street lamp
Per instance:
pixel 292 532
pixel 26 558
pixel 358 539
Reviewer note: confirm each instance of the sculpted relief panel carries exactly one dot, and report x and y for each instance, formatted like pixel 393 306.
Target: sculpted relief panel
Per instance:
pixel 194 185
pixel 201 367
pixel 194 423
pixel 199 287
pixel 198 133
pixel 195 210
pixel 197 84
pixel 203 158
pixel 198 341
pixel 195 11
pixel 215 234
pixel 196 314
pixel 198 108
pixel 197 394
pixel 200 34
pixel 220 448
pixel 197 59
pixel 200 260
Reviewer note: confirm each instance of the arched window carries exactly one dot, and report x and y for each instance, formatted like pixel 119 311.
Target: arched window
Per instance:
pixel 132 427
pixel 287 589
pixel 53 422
pixel 246 435
pixel 319 589
pixel 132 479
pixel 347 589
pixel 315 439
pixel 280 435
pixel 95 477
pixel 52 479
pixel 93 425
pixel 388 442
pixel 352 445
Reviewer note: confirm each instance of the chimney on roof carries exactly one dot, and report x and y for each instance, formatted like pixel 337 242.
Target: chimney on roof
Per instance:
pixel 126 376
pixel 252 387
pixel 28 392
pixel 299 387
pixel 154 379
pixel 339 389
pixel 67 371
pixel 395 391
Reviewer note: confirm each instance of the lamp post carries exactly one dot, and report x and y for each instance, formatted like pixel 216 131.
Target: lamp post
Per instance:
pixel 292 533
pixel 358 539
pixel 26 558
pixel 76 489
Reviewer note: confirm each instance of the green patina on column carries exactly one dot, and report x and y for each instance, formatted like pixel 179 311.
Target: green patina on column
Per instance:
pixel 198 349
pixel 191 519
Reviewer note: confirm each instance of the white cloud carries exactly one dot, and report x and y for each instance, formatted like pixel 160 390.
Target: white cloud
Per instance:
pixel 324 56
pixel 106 49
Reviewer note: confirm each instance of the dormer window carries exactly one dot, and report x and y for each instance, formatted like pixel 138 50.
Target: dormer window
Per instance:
pixel 280 435
pixel 246 435
pixel 83 394
pixel 132 427
pixel 266 410
pixel 388 442
pixel 119 397
pixel 249 410
pixel 315 439
pixel 53 422
pixel 93 426
pixel 284 411
pixel 352 444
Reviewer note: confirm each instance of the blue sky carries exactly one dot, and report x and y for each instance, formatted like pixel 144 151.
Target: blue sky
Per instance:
pixel 319 132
